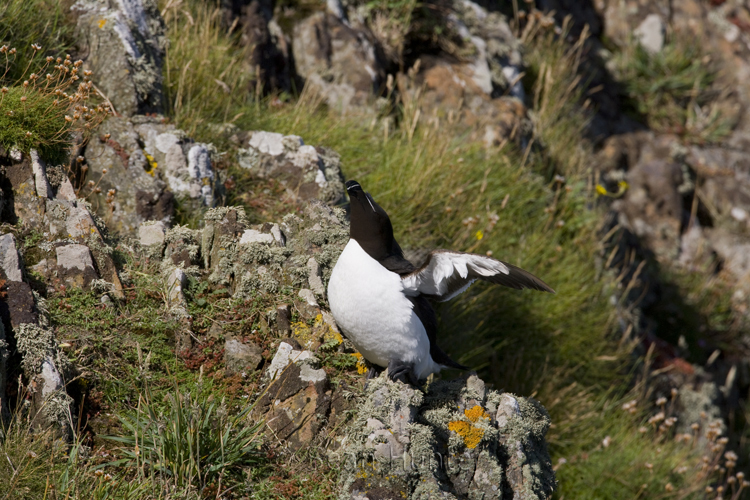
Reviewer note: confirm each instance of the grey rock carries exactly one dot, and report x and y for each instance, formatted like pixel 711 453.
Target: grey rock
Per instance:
pixel 339 61
pixel 152 233
pixel 75 265
pixel 456 437
pixel 734 250
pixel 9 261
pixel 65 191
pixel 297 400
pixel 650 33
pixel 307 172
pixel 140 192
pixel 241 358
pixel 254 236
pixel 652 206
pixel 176 281
pixel 43 188
pixel 308 296
pixel 125 43
pixel 285 355
pixel 315 279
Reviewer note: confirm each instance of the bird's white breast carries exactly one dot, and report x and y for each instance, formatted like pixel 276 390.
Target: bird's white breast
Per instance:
pixel 369 305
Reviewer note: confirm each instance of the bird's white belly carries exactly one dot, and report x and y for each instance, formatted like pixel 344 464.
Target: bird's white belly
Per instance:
pixel 370 307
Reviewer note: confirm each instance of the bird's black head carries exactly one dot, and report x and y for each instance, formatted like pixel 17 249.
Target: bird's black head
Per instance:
pixel 370 225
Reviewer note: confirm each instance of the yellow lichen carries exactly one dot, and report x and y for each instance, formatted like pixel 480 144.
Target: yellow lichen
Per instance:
pixel 361 365
pixel 303 333
pixel 329 333
pixel 471 434
pixel 101 23
pixel 152 165
pixel 476 413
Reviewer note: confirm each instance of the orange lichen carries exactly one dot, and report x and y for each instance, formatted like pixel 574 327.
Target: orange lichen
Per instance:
pixel 476 413
pixel 471 434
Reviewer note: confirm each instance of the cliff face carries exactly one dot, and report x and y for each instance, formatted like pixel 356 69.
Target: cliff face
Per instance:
pixel 180 255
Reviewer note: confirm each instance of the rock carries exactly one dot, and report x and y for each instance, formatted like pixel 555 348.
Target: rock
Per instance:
pixel 307 172
pixel 152 233
pixel 253 236
pixel 480 87
pixel 286 354
pixel 650 33
pixel 241 358
pixel 9 262
pixel 66 192
pixel 125 44
pixel 75 265
pixel 315 280
pixel 121 166
pixel 283 320
pixel 21 203
pixel 652 206
pixel 457 437
pixel 183 246
pixel 296 403
pixel 343 63
pixel 43 188
pixel 735 252
pixel 176 281
pixel 43 366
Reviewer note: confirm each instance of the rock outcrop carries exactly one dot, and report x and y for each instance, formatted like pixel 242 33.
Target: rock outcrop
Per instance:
pixel 455 440
pixel 124 44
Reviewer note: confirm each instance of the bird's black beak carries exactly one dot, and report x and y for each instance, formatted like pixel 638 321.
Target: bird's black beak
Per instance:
pixel 352 187
pixel 356 192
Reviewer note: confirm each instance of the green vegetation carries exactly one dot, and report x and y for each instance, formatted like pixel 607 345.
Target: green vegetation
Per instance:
pixel 194 443
pixel 675 90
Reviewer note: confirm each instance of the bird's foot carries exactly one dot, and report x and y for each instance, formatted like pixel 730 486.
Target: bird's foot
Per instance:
pixel 403 371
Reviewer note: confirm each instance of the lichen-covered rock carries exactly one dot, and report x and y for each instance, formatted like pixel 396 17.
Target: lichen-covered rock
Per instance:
pixel 456 440
pixel 307 172
pixel 241 358
pixel 124 43
pixel 45 368
pixel 22 204
pixel 297 400
pixel 10 268
pixel 343 62
pixel 267 257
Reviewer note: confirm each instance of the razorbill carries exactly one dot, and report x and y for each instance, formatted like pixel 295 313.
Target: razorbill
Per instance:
pixel 380 300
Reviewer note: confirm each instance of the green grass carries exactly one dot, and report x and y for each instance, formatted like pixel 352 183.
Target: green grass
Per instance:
pixel 27 22
pixel 195 442
pixel 675 90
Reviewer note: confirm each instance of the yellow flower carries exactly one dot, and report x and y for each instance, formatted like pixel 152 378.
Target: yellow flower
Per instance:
pixel 601 190
pixel 479 234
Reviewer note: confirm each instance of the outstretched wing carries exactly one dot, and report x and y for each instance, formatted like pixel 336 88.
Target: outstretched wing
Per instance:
pixel 446 274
